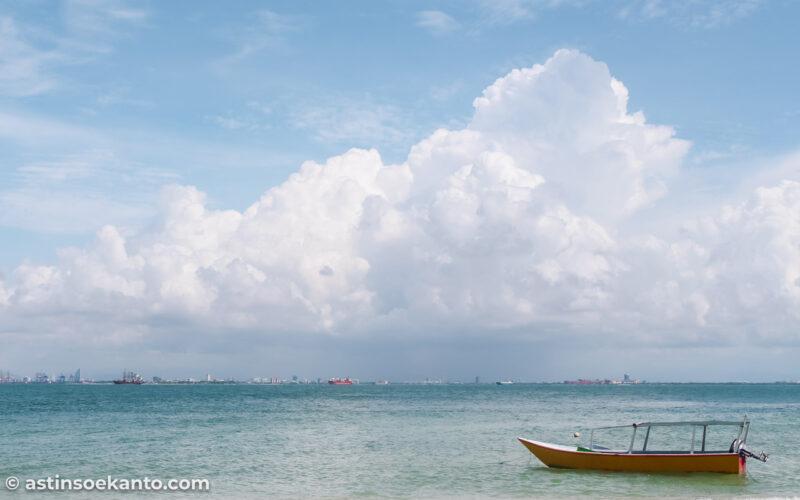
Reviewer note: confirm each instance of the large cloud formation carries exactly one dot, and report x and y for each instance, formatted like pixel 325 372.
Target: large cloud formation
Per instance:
pixel 513 223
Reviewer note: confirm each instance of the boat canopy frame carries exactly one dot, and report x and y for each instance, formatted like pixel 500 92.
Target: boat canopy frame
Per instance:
pixel 744 430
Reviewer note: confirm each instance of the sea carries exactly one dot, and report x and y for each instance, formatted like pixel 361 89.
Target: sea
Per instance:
pixel 373 441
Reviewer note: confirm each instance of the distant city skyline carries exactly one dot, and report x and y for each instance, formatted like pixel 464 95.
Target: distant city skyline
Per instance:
pixel 401 190
pixel 48 378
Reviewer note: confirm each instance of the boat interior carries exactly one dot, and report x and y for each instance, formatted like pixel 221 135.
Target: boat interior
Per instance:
pixel 655 452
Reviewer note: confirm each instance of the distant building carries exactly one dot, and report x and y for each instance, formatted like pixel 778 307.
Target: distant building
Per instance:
pixel 78 376
pixel 157 379
pixel 42 378
pixel 477 379
pixel 626 379
pixel 208 377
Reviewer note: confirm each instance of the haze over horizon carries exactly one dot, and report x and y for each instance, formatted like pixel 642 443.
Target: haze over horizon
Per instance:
pixel 527 190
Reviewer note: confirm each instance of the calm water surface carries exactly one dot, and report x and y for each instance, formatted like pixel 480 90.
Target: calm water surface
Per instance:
pixel 396 441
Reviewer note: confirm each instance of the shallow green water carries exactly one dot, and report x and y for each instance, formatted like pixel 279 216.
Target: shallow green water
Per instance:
pixel 367 441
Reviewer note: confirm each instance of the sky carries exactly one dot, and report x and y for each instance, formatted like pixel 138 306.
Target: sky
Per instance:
pixel 537 190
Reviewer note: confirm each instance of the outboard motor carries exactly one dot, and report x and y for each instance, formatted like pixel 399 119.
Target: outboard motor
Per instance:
pixel 744 452
pixel 737 446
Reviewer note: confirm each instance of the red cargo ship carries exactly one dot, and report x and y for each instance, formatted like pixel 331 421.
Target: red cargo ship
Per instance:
pixel 339 381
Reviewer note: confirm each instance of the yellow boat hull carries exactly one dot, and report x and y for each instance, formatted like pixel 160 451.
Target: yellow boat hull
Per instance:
pixel 564 457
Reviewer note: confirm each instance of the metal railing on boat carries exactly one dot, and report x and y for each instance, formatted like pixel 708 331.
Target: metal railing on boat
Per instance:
pixel 744 428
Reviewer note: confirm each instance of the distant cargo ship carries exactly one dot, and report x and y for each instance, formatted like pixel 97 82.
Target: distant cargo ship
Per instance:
pixel 505 382
pixel 581 381
pixel 626 380
pixel 129 378
pixel 339 381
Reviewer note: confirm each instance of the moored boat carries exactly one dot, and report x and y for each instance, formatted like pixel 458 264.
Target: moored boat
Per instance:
pixel 695 459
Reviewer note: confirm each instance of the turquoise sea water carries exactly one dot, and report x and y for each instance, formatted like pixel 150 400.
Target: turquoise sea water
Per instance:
pixel 366 441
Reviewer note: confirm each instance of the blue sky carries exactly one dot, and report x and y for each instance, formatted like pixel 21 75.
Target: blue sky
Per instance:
pixel 104 103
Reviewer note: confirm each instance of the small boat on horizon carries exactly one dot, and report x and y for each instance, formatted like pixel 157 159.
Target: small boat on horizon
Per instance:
pixel 596 457
pixel 505 382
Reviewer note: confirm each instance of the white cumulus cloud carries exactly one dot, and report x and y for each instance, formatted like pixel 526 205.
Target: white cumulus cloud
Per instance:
pixel 511 223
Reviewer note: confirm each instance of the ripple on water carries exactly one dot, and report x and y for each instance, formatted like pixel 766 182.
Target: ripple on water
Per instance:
pixel 395 441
